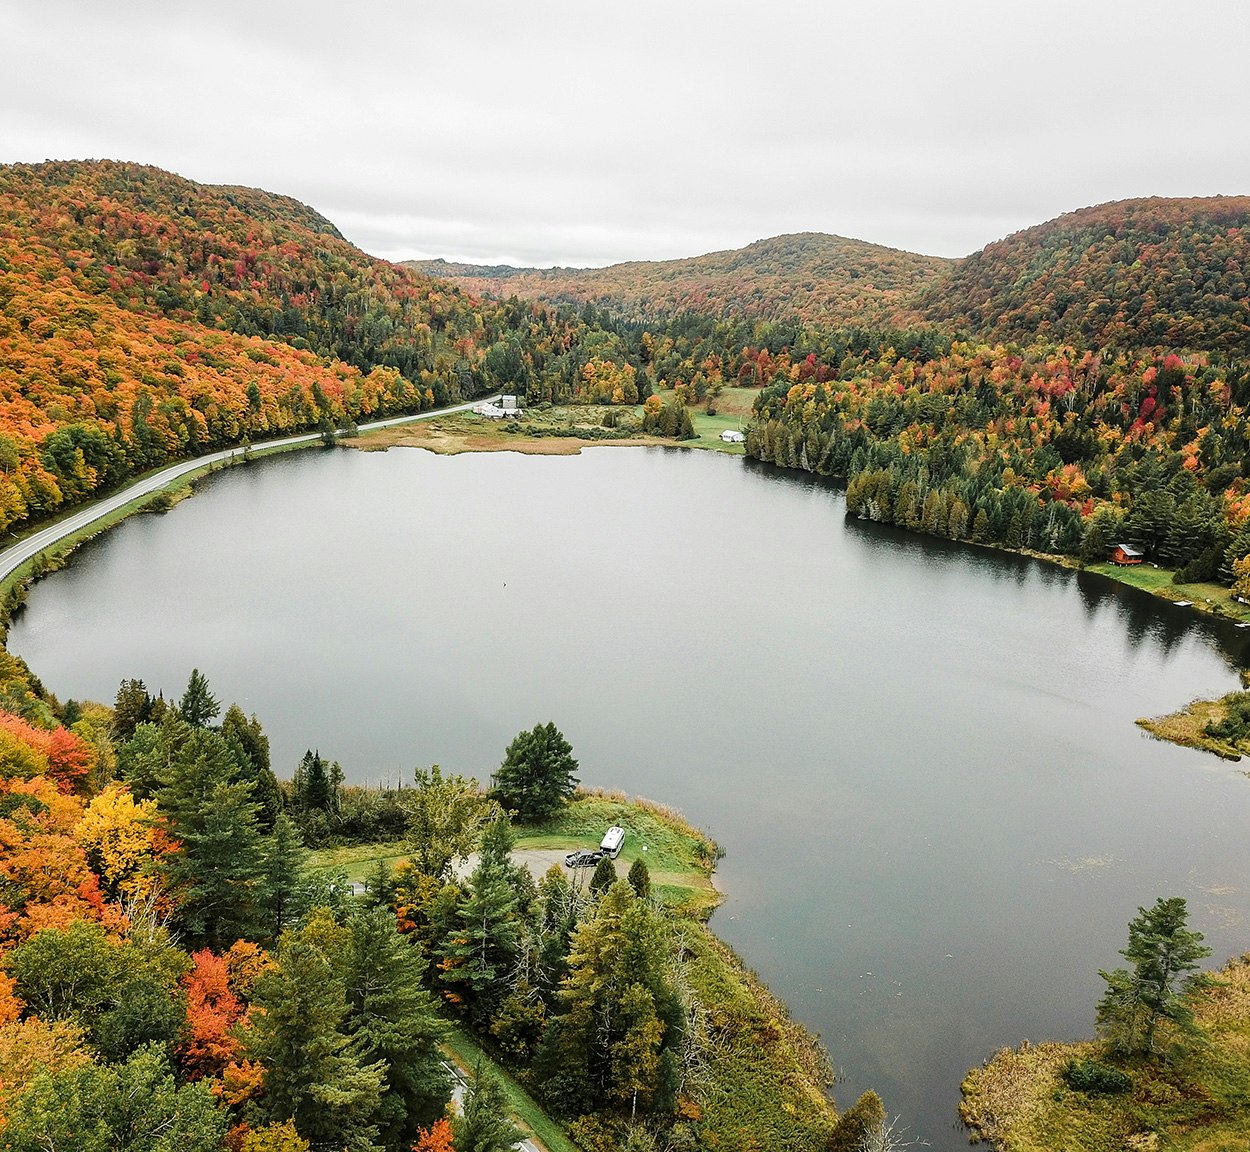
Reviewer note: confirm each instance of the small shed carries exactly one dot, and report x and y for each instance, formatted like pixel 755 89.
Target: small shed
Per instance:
pixel 1125 554
pixel 732 437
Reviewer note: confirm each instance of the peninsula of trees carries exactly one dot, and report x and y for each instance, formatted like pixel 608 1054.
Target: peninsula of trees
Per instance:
pixel 176 975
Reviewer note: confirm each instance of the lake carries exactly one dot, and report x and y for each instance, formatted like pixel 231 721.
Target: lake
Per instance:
pixel 920 758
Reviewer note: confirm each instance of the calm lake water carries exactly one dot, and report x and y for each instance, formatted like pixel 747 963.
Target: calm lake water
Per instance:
pixel 920 759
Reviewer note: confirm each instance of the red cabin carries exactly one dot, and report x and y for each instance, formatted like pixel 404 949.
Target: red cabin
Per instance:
pixel 1125 554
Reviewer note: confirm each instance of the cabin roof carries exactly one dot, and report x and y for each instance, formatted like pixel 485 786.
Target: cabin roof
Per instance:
pixel 1129 550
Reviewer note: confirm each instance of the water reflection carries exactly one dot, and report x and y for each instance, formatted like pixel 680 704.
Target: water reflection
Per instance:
pixel 1144 617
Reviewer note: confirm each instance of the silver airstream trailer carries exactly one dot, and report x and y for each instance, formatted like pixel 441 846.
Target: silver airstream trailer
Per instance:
pixel 613 841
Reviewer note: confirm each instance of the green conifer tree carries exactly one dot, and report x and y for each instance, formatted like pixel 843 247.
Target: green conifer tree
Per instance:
pixel 858 1125
pixel 640 879
pixel 215 873
pixel 283 861
pixel 613 1044
pixel 481 950
pixel 392 1019
pixel 1162 951
pixel 484 1124
pixel 198 706
pixel 313 1074
pixel 252 751
pixel 603 877
pixel 536 776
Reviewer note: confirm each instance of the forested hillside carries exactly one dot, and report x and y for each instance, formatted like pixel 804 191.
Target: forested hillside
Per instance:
pixel 1097 392
pixel 1075 385
pixel 1130 275
pixel 145 318
pixel 1077 381
pixel 812 277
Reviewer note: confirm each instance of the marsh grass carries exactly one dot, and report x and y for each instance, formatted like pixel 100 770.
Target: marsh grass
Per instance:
pixel 1188 728
pixel 1198 1102
pixel 766 1079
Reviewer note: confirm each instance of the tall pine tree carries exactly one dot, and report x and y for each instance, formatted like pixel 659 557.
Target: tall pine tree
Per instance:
pixel 536 776
pixel 313 1074
pixel 392 1018
pixel 215 872
pixel 1164 953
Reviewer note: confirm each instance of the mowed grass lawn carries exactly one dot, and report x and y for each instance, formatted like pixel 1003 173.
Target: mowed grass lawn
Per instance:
pixel 1162 582
pixel 733 412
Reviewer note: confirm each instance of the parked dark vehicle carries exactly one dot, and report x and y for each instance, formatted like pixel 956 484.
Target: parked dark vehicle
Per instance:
pixel 583 858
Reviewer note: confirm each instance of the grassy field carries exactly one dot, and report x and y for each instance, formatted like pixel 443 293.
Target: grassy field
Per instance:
pixel 765 1087
pixel 1019 1101
pixel 1161 582
pixel 562 429
pixel 733 413
pixel 356 861
pixel 558 431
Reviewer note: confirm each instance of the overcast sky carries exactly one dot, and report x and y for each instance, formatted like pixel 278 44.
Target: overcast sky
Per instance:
pixel 592 132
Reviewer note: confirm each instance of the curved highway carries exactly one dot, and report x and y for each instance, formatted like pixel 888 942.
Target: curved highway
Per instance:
pixel 17 554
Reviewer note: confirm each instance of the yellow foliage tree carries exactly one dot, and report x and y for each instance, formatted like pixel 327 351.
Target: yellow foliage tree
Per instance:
pixel 607 380
pixel 32 1047
pixel 119 836
pixel 1241 577
pixel 275 1138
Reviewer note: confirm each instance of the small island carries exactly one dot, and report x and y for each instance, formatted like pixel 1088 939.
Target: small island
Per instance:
pixel 1220 726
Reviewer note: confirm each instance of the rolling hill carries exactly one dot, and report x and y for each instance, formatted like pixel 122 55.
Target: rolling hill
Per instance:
pixel 144 318
pixel 1135 273
pixel 816 278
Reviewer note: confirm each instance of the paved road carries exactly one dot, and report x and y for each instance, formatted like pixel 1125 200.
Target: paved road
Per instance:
pixel 17 554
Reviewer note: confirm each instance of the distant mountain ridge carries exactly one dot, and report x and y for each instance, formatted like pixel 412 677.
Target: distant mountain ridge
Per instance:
pixel 809 276
pixel 1134 273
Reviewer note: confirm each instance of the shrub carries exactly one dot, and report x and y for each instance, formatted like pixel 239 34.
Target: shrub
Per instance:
pixel 1091 1076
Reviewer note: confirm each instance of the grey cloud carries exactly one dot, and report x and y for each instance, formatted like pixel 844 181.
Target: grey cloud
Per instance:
pixel 561 132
